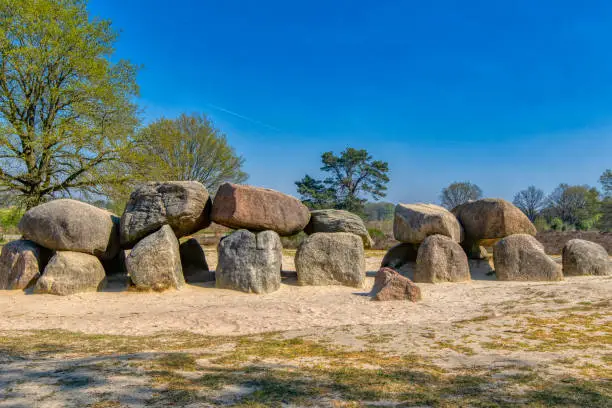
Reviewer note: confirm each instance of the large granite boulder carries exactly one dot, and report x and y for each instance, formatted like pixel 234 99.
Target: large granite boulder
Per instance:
pixel 155 262
pixel 334 258
pixel 21 264
pixel 520 257
pixel 250 262
pixel 390 285
pixel 70 225
pixel 491 219
pixel 338 221
pixel 581 257
pixel 193 260
pixel 440 259
pixel 71 272
pixel 183 205
pixel 259 209
pixel 415 222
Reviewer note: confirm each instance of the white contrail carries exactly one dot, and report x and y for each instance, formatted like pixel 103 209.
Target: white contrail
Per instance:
pixel 243 117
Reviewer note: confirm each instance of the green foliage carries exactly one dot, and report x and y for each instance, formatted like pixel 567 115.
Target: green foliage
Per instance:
pixel 375 233
pixel 9 218
pixel 66 110
pixel 190 148
pixel 353 176
pixel 556 224
pixel 379 211
pixel 541 224
pixel 606 182
pixel 315 195
pixel 605 221
pixel 576 206
pixel 459 193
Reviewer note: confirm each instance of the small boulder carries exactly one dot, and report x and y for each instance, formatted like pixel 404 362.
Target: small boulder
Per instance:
pixel 155 262
pixel 390 285
pixel 338 221
pixel 440 259
pixel 71 272
pixel 71 225
pixel 259 209
pixel 415 222
pixel 193 260
pixel 581 257
pixel 21 264
pixel 520 257
pixel 492 218
pixel 250 262
pixel 183 205
pixel 326 258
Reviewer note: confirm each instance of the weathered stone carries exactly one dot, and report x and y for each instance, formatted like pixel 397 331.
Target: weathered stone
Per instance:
pixel 183 205
pixel 193 259
pixel 155 262
pixel 250 262
pixel 338 221
pixel 492 218
pixel 21 264
pixel 331 259
pixel 70 225
pixel 415 222
pixel 582 257
pixel 440 259
pixel 71 272
pixel 259 209
pixel 520 257
pixel 390 285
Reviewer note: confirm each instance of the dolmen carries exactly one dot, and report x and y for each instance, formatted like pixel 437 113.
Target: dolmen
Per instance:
pixel 430 237
pixel 68 246
pixel 436 245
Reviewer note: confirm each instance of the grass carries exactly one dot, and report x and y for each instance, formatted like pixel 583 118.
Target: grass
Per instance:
pixel 270 370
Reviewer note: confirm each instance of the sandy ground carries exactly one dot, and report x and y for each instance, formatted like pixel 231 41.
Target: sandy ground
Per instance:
pixel 497 343
pixel 207 310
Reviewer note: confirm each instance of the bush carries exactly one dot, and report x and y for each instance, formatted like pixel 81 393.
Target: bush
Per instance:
pixel 9 218
pixel 293 241
pixel 541 224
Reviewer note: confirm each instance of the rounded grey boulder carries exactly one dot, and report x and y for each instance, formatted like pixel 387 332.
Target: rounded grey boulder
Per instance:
pixel 71 225
pixel 415 222
pixel 581 257
pixel 155 262
pixel 21 264
pixel 250 262
pixel 71 272
pixel 335 258
pixel 520 257
pixel 338 221
pixel 183 205
pixel 440 259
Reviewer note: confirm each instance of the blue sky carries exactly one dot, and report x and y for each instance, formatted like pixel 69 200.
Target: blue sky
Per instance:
pixel 503 93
